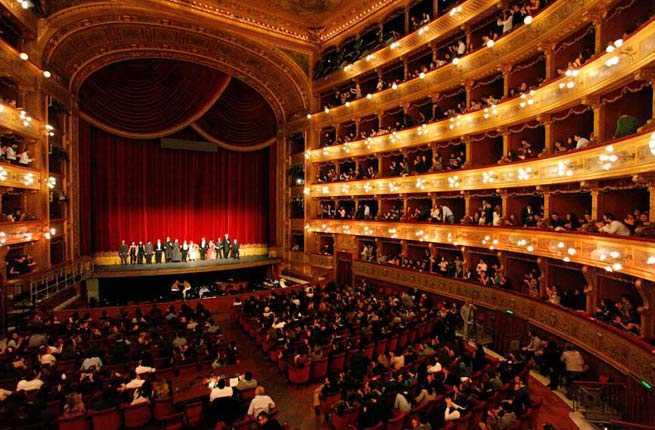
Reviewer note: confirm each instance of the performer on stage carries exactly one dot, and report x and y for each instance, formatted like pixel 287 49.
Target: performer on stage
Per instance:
pixel 140 253
pixel 159 249
pixel 211 251
pixel 185 251
pixel 149 252
pixel 194 252
pixel 219 248
pixel 204 246
pixel 176 254
pixel 123 252
pixel 132 253
pixel 168 249
pixel 235 249
pixel 226 246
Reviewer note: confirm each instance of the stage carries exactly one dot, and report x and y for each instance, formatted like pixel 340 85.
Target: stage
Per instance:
pixel 167 269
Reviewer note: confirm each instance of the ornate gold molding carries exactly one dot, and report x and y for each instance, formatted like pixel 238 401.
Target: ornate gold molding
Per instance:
pixel 21 177
pixel 633 156
pixel 626 255
pixel 25 17
pixel 22 232
pixel 612 347
pixel 80 40
pixel 551 24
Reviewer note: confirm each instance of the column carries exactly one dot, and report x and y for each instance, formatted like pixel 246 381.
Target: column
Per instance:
pixel 595 203
pixel 549 136
pixel 468 150
pixel 551 69
pixel 506 144
pixel 599 32
pixel 547 203
pixel 504 195
pixel 507 73
pixel 591 290
pixel 599 117
pixel 651 194
pixel 544 279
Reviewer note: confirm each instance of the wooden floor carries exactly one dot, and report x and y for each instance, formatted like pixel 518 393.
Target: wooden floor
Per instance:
pixel 138 270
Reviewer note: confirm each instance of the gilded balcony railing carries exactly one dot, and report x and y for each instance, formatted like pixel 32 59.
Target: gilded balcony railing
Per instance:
pixel 626 157
pixel 513 48
pixel 612 253
pixel 603 74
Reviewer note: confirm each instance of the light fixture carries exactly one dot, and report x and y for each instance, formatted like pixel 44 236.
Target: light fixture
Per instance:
pixel 25 4
pixel 327 109
pixel 348 103
pixel 422 30
pixel 530 248
pixel 47 74
pixel 28 179
pixel 306 191
pixel 421 75
pixel 370 57
pixel 651 260
pixel 455 11
pixel 528 20
pixel 524 173
pixel 651 144
pixel 394 86
pixel 309 116
pixel 52 182
pixel 394 45
pixel 369 96
pixel 23 56
pixel 3 237
pixel 572 251
pixel 491 43
pixel 308 155
pixel 608 158
pixel 456 60
pixel 3 174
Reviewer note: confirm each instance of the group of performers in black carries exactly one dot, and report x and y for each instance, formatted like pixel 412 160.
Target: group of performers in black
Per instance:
pixel 171 251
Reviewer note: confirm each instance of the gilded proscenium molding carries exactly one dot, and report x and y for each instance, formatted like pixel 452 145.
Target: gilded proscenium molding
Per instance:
pixel 632 156
pixel 630 256
pixel 74 45
pixel 552 24
pixel 430 32
pixel 613 348
pixel 11 119
pixel 637 53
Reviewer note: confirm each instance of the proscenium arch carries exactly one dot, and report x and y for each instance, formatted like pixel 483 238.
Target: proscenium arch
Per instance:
pixel 80 40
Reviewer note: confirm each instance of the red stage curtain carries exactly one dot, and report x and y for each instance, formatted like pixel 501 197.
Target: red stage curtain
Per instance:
pixel 135 190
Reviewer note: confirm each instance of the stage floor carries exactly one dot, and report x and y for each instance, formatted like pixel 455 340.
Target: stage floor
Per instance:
pixel 220 265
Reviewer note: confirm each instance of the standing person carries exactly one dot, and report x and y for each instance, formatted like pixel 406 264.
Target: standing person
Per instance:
pixel 235 249
pixel 203 249
pixel 211 251
pixel 149 252
pixel 159 250
pixel 219 248
pixel 123 252
pixel 226 246
pixel 176 255
pixel 185 251
pixel 132 253
pixel 140 253
pixel 168 249
pixel 467 312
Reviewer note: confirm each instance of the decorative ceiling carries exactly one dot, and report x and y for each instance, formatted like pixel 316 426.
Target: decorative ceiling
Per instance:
pixel 151 98
pixel 301 19
pixel 81 40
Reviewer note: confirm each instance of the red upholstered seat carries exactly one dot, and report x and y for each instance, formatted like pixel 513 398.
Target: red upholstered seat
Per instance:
pixel 173 422
pixel 245 423
pixel 247 395
pixel 162 408
pixel 341 422
pixel 403 339
pixel 318 369
pixel 368 351
pixel 298 375
pixel 392 343
pixel 136 416
pixel 193 414
pixel 380 347
pixel 78 422
pixel 108 419
pixel 337 362
pixel 396 423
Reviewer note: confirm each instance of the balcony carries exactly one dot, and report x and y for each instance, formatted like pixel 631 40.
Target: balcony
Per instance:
pixel 630 256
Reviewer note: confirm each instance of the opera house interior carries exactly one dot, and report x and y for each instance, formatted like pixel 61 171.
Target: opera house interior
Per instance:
pixel 327 214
